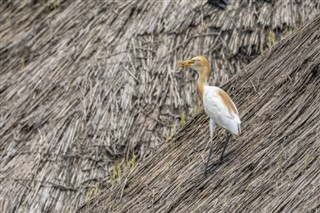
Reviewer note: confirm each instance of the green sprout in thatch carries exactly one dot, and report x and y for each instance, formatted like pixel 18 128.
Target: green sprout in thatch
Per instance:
pixel 116 172
pixel 272 38
pixel 93 192
pixel 131 163
pixel 54 4
pixel 22 62
pixel 287 30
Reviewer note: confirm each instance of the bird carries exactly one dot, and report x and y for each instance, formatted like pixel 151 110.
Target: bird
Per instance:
pixel 216 103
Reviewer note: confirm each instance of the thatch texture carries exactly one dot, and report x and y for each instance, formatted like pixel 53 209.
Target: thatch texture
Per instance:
pixel 272 167
pixel 84 82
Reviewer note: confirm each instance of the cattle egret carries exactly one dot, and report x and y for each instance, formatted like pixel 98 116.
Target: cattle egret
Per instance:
pixel 216 102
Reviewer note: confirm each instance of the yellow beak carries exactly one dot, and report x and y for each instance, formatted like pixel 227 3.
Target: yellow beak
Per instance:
pixel 186 63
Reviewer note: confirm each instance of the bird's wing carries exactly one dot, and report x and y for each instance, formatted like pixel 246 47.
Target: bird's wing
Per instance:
pixel 221 108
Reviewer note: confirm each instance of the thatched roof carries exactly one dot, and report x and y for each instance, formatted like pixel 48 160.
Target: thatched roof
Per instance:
pixel 272 167
pixel 84 82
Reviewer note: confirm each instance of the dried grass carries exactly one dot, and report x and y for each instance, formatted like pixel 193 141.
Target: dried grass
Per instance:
pixel 84 84
pixel 272 167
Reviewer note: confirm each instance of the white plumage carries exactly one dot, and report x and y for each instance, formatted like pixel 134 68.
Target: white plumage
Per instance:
pixel 218 111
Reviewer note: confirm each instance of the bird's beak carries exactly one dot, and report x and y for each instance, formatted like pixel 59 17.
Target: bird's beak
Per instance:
pixel 186 63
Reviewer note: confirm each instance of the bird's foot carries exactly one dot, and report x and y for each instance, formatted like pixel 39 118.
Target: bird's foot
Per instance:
pixel 212 168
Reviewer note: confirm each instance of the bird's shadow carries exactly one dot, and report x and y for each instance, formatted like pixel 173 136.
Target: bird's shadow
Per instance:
pixel 215 165
pixel 213 168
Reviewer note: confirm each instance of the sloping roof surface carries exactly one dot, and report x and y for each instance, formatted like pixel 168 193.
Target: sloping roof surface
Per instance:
pixel 84 82
pixel 272 167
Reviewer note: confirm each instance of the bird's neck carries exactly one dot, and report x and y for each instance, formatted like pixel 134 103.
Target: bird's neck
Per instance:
pixel 202 82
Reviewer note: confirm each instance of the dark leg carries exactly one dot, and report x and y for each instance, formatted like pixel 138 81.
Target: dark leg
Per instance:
pixel 221 156
pixel 209 156
pixel 224 147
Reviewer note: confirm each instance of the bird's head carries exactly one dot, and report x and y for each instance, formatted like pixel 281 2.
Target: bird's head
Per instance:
pixel 199 63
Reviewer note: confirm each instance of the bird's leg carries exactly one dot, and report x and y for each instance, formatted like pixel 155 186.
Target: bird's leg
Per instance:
pixel 224 146
pixel 209 156
pixel 212 128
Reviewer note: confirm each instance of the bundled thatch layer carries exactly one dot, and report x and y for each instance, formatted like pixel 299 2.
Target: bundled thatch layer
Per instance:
pixel 84 81
pixel 272 167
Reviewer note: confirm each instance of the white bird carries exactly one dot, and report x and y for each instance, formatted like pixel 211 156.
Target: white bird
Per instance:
pixel 216 102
